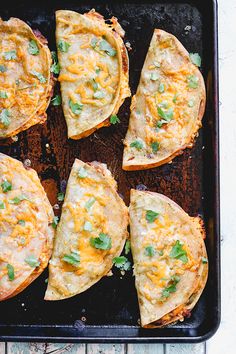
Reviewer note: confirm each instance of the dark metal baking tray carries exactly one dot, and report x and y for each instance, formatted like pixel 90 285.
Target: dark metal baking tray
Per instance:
pixel 192 180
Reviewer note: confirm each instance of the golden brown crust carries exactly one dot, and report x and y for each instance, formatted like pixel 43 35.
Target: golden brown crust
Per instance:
pixel 138 162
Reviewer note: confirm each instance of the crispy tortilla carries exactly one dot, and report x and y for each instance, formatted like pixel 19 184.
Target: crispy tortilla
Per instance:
pixel 168 107
pixel 94 70
pixel 170 260
pixel 25 227
pixel 25 79
pixel 92 209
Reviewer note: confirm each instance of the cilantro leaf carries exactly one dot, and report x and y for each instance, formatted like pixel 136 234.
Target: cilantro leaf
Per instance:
pixel 191 103
pixel 93 42
pixel 88 226
pixel 175 97
pixel 60 196
pixel 137 144
pixel 103 242
pixel 11 55
pixel 32 261
pixel 122 263
pixel 56 101
pixel 3 94
pixel 204 260
pixel 150 251
pixel 195 59
pixel 161 88
pixel 155 146
pixel 55 222
pixel 76 108
pixel 95 85
pixel 18 199
pixel 5 117
pixel 73 258
pixel 2 205
pixel 21 222
pixel 114 119
pixel 39 76
pixel 33 48
pixel 192 81
pixel 171 288
pixel 178 252
pixel 107 48
pixel 166 115
pixel 6 186
pixel 89 203
pixel 99 94
pixel 82 173
pixel 3 68
pixel 154 76
pixel 10 272
pixel 55 67
pixel 63 46
pixel 127 246
pixel 151 216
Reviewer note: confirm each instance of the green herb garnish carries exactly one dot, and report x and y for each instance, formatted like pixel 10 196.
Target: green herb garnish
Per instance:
pixel 166 115
pixel 17 200
pixel 39 76
pixel 114 119
pixel 204 260
pixel 99 94
pixel 103 242
pixel 137 144
pixel 175 97
pixel 11 55
pixel 73 258
pixel 171 288
pixel 63 46
pixel 60 196
pixel 154 76
pixel 10 272
pixel 56 101
pixel 94 85
pixel 107 48
pixel 191 103
pixel 178 252
pixel 55 67
pixel 82 173
pixel 76 108
pixel 33 47
pixel 161 88
pixel 151 216
pixel 127 246
pixel 32 261
pixel 3 94
pixel 3 68
pixel 88 226
pixel 150 251
pixel 155 147
pixel 195 59
pixel 6 186
pixel 192 81
pixel 55 222
pixel 21 222
pixel 5 117
pixel 122 263
pixel 2 205
pixel 89 203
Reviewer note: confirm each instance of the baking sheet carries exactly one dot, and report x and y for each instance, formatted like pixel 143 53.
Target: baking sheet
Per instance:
pixel 108 312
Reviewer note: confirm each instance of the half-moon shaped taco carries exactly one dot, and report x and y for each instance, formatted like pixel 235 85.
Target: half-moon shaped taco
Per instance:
pixel 167 110
pixel 94 70
pixel 170 260
pixel 91 232
pixel 25 227
pixel 25 80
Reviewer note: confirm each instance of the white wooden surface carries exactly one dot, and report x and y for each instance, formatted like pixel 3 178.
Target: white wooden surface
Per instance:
pixel 225 339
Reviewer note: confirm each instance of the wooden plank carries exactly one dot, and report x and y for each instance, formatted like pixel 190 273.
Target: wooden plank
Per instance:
pixel 145 349
pixel 44 348
pixel 2 348
pixel 106 348
pixel 185 348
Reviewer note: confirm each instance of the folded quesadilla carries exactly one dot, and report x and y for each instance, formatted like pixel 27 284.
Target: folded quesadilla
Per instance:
pixel 94 70
pixel 25 80
pixel 167 110
pixel 91 232
pixel 170 260
pixel 26 231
